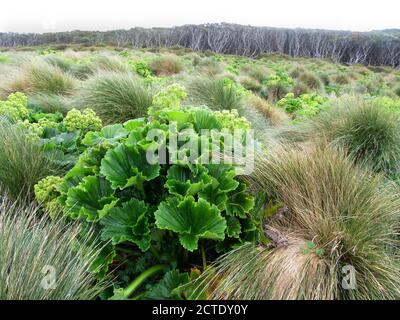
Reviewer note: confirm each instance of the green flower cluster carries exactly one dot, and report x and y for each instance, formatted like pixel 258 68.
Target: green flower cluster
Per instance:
pixel 232 120
pixel 45 189
pixel 15 107
pixel 46 194
pixel 33 130
pixel 170 97
pixel 86 120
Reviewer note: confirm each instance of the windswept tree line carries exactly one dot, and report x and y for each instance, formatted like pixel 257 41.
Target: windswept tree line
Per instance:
pixel 371 48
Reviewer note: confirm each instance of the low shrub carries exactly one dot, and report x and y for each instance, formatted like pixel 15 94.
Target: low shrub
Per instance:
pixel 310 80
pixel 250 84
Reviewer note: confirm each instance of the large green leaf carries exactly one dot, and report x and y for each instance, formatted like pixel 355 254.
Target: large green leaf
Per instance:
pixel 126 166
pixel 222 182
pixel 183 180
pixel 165 289
pixel 191 220
pixel 233 228
pixel 112 134
pixel 240 202
pixel 127 223
pixel 91 199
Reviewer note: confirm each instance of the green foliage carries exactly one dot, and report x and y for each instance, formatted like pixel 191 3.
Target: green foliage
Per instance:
pixel 235 64
pixel 46 188
pixel 3 59
pixel 303 107
pixel 279 79
pixel 390 104
pixel 141 68
pixel 47 51
pixel 310 247
pixel 231 119
pixel 166 288
pixel 191 220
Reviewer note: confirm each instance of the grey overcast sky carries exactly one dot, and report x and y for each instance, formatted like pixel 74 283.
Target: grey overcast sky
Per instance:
pixel 49 16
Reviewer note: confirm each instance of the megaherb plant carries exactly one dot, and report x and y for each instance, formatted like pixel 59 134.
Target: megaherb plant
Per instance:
pixel 163 210
pixel 302 107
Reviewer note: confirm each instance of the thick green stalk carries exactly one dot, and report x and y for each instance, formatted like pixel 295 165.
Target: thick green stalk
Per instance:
pixel 141 278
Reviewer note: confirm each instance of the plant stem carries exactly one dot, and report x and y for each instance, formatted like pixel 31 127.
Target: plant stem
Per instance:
pixel 141 278
pixel 203 257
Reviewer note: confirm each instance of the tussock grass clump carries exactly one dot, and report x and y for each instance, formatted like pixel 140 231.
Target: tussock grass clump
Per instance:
pixel 310 80
pixel 297 71
pixel 57 61
pixel 46 78
pixel 40 259
pixel 338 217
pixel 108 62
pixel 300 88
pixel 23 162
pixel 341 79
pixel 250 83
pixel 274 115
pixel 368 132
pixel 397 90
pixel 116 97
pixel 210 67
pixel 214 93
pixel 37 76
pixel 166 65
pixel 257 72
pixel 50 103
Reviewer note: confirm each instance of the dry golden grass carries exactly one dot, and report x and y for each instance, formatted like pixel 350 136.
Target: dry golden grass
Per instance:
pixel 275 115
